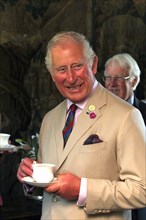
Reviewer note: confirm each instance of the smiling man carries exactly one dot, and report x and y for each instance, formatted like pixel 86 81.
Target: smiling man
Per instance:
pixel 97 177
pixel 121 76
pixel 72 72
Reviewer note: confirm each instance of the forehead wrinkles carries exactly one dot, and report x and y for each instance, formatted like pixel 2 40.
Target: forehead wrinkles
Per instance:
pixel 115 69
pixel 64 53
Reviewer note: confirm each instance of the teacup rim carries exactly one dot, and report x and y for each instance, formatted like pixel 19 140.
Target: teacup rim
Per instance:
pixel 5 134
pixel 44 164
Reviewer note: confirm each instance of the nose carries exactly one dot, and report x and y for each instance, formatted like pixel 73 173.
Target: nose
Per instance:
pixel 71 76
pixel 113 82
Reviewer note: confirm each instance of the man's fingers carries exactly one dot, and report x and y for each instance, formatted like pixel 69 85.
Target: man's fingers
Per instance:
pixel 54 187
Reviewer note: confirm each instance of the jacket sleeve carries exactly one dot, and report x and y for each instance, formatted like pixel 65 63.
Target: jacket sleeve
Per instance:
pixel 129 190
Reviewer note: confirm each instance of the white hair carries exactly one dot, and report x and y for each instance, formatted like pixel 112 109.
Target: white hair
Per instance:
pixel 63 37
pixel 126 61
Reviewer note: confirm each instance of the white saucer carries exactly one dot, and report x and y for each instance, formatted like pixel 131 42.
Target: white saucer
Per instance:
pixel 29 180
pixel 6 147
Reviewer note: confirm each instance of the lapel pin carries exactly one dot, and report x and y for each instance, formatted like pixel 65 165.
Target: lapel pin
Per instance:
pixel 91 108
pixel 91 112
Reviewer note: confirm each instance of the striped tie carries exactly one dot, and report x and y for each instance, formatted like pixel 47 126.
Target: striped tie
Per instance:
pixel 69 123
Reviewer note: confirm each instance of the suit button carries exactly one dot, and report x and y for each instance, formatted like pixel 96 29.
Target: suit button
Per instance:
pixel 95 211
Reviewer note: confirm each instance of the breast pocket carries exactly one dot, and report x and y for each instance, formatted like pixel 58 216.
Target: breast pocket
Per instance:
pixel 93 147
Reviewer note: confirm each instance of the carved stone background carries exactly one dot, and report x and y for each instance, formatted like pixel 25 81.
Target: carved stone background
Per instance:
pixel 26 89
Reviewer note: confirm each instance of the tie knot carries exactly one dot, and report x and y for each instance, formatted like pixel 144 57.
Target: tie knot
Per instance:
pixel 73 108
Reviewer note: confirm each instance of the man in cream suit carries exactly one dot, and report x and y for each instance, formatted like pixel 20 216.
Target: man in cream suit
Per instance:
pixel 100 174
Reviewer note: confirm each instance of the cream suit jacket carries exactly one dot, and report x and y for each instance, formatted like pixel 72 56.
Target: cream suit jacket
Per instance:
pixel 115 168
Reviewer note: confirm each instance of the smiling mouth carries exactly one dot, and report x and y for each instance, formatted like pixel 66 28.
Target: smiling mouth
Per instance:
pixel 115 91
pixel 75 87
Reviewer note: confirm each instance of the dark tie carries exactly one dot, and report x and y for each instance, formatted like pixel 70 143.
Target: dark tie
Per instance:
pixel 69 123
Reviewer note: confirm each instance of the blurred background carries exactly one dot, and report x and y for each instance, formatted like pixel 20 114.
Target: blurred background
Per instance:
pixel 27 91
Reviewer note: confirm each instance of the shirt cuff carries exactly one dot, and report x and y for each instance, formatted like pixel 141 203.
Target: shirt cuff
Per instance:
pixel 83 193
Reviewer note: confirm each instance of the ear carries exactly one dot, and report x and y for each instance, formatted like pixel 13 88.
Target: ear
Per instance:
pixel 53 78
pixel 94 65
pixel 51 75
pixel 134 81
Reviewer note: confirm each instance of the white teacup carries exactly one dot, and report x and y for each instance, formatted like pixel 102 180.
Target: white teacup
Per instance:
pixel 4 139
pixel 43 172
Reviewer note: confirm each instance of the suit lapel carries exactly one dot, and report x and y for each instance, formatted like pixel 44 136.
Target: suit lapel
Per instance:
pixel 84 121
pixel 58 125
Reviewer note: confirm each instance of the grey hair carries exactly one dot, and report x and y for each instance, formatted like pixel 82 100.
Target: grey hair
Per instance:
pixel 125 61
pixel 62 37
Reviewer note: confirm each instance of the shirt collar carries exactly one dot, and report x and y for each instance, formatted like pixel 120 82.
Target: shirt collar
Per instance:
pixel 131 99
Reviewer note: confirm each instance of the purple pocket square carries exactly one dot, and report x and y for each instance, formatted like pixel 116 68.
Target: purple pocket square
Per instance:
pixel 92 139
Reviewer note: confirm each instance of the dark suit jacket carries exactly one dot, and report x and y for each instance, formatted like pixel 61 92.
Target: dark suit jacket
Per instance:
pixel 141 106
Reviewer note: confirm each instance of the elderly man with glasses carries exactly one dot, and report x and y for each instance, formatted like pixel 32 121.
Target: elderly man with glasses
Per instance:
pixel 121 77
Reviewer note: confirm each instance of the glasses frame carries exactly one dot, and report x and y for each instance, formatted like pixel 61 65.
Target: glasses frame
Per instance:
pixel 118 79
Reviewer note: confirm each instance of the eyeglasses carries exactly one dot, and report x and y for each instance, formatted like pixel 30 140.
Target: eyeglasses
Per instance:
pixel 118 79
